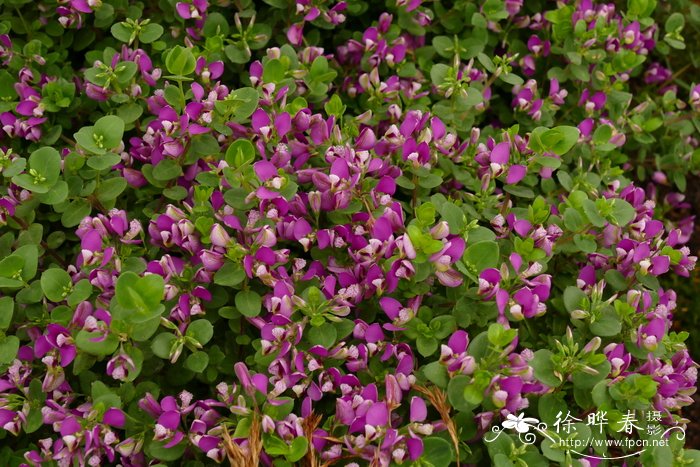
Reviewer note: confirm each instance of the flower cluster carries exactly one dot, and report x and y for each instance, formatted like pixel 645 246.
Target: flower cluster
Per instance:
pixel 326 232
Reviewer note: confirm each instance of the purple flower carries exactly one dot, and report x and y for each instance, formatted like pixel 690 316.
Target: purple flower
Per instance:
pixel 56 337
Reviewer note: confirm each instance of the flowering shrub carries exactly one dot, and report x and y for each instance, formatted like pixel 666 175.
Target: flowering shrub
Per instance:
pixel 344 232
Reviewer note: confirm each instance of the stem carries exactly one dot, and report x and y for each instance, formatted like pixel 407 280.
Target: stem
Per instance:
pixel 24 24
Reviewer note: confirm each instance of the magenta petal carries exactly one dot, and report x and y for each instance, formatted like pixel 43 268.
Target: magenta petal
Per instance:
pixel 177 437
pixel 458 341
pixel 340 169
pixel 91 241
pixel 259 120
pixel 522 227
pixel 114 417
pixel 386 185
pixel 81 6
pixel 260 382
pixel 391 306
pixel 491 275
pixel 419 411
pixel 265 170
pixel 587 274
pixel 69 426
pixel 68 353
pixel 183 9
pixel 377 415
pixel 501 300
pixel 169 419
pixel 660 264
pixel 26 108
pixel 216 69
pixel 455 248
pixel 449 278
pixel 41 346
pixel 207 443
pixel 374 333
pixel 501 153
pixel 415 448
pixel 382 229
pixel 266 255
pixel 283 124
pixel 295 34
pixel 516 173
pixel 6 416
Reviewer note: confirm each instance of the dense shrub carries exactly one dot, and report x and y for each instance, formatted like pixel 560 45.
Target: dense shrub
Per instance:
pixel 326 233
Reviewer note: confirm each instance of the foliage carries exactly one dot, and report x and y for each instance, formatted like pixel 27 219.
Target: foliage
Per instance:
pixel 317 232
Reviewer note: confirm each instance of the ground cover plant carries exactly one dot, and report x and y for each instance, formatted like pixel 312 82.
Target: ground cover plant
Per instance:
pixel 322 232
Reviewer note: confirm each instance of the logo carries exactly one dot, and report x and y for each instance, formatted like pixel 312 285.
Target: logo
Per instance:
pixel 568 432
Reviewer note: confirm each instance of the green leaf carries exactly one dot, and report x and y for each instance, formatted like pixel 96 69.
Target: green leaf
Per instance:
pixel 324 335
pixel 56 284
pixel 124 71
pixel 44 169
pixel 279 412
pixel 241 103
pixel 335 106
pixel 110 189
pixel 438 73
pixel 607 324
pixel 230 275
pixel 76 212
pixel 30 255
pixel 560 139
pixel 623 212
pixel 9 345
pixel 455 393
pixel 180 61
pixel 274 71
pixel 150 33
pixel 95 343
pixel 85 138
pixel 544 368
pixel 573 220
pixel 675 22
pixel 121 32
pixel 81 291
pixel 248 303
pixel 426 345
pixel 454 216
pixel 162 345
pixel 11 266
pixel 275 446
pixel 140 296
pixel 215 24
pixel 482 255
pixel 56 195
pixel 111 129
pixel 158 450
pixel 575 299
pixel 200 330
pixel 7 308
pixel 167 169
pixel 591 211
pixel 437 451
pixel 437 374
pixel 237 53
pixel 130 112
pixel 104 161
pixel 297 449
pixel 239 153
pixel 197 362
